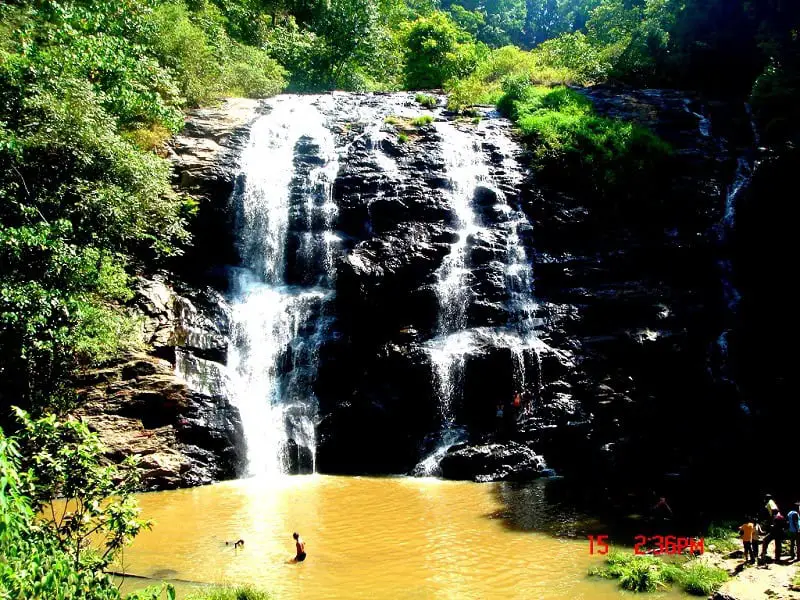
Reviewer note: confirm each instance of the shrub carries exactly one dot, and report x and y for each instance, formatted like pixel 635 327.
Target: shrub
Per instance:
pixel 252 73
pixel 426 100
pixel 485 84
pixel 647 573
pixel 701 579
pixel 232 593
pixel 402 138
pixel 422 121
pixel 438 50
pixel 606 158
pixel 43 558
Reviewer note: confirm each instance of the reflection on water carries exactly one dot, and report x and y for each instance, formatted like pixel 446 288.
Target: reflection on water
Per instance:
pixel 365 538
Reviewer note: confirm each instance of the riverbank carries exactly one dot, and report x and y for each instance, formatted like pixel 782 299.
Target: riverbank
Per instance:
pixel 755 582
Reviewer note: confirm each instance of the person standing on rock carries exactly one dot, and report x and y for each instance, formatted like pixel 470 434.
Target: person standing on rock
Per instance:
pixel 794 532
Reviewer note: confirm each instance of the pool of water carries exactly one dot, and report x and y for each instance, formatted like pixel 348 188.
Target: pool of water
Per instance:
pixel 366 538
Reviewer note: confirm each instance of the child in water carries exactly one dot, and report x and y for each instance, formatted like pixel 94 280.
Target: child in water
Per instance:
pixel 301 547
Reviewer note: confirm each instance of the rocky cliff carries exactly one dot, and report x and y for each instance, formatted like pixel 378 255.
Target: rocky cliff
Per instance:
pixel 438 277
pixel 165 402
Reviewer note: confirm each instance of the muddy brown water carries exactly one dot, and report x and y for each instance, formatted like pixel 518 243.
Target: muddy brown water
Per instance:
pixel 365 538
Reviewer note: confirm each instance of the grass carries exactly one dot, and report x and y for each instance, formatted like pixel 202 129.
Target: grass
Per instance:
pixel 701 579
pixel 393 120
pixel 575 147
pixel 722 537
pixel 426 100
pixel 485 84
pixel 402 138
pixel 244 592
pixel 422 121
pixel 651 573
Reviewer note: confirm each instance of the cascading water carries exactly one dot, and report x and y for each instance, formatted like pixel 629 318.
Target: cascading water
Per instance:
pixel 725 230
pixel 467 168
pixel 279 297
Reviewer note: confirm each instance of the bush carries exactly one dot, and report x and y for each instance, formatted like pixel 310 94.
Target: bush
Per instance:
pixel 60 558
pixel 422 121
pixel 252 73
pixel 588 154
pixel 233 593
pixel 426 100
pixel 485 84
pixel 647 573
pixel 204 61
pixel 438 50
pixel 775 106
pixel 701 579
pixel 574 53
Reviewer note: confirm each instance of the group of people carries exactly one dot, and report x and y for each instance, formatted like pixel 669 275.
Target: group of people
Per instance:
pixel 506 416
pixel 776 528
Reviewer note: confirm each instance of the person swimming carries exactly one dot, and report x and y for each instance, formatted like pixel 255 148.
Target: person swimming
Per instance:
pixel 301 547
pixel 237 544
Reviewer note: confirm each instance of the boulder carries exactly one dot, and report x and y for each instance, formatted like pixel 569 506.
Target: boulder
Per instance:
pixel 492 462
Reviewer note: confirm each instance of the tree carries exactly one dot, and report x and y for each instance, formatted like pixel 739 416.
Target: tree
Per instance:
pixel 437 50
pixel 44 557
pixel 349 28
pixel 98 516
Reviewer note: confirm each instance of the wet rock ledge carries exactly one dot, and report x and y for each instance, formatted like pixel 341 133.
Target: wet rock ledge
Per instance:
pixel 164 402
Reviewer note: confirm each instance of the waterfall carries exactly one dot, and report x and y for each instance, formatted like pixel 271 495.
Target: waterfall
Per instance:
pixel 465 168
pixel 725 230
pixel 285 283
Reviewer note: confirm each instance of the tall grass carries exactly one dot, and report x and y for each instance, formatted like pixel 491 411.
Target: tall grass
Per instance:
pixel 580 150
pixel 648 573
pixel 243 592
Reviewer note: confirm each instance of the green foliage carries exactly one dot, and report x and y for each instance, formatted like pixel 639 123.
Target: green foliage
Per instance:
pixel 402 138
pixel 233 593
pixel 68 463
pixel 647 573
pixel 575 53
pixel 204 61
pixel 422 121
pixel 45 558
pixel 485 84
pixel 426 100
pixel 56 309
pixel 774 101
pixel 588 154
pixel 722 537
pixel 437 50
pixel 701 579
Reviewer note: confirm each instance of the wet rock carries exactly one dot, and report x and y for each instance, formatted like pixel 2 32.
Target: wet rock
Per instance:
pixel 205 158
pixel 183 438
pixel 492 462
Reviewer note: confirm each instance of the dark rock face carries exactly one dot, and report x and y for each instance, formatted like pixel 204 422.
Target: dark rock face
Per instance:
pixel 206 157
pixel 492 462
pixel 638 300
pixel 628 307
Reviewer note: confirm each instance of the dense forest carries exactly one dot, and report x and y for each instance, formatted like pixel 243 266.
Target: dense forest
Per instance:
pixel 91 89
